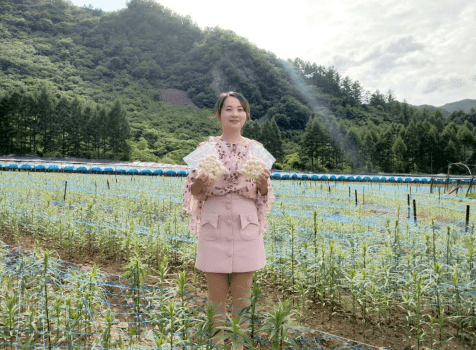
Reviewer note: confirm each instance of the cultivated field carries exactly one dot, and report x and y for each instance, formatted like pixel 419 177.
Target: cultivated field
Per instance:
pixel 109 263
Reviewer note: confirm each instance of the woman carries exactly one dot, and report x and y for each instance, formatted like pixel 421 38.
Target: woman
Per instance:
pixel 229 213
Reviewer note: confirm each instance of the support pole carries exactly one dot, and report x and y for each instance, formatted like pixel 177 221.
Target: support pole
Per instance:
pixel 467 218
pixel 470 185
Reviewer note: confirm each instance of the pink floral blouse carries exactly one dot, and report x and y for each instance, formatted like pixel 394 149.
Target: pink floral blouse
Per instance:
pixel 233 157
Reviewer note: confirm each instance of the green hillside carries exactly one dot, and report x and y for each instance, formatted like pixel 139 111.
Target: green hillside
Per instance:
pixel 86 83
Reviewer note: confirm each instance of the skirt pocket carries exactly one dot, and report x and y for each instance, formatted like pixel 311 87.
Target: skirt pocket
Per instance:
pixel 250 226
pixel 209 227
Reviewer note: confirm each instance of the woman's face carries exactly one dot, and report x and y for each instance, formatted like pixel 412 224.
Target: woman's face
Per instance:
pixel 233 116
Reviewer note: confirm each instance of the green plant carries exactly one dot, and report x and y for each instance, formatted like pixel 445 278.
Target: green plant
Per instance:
pixel 277 322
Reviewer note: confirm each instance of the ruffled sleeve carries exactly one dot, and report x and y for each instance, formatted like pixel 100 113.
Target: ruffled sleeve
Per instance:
pixel 263 203
pixel 192 203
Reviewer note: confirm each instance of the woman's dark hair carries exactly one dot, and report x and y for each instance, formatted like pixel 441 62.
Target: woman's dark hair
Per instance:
pixel 240 97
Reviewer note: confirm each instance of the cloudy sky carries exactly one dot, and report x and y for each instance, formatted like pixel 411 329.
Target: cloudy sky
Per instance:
pixel 423 50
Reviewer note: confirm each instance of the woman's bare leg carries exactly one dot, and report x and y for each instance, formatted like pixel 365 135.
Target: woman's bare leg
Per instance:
pixel 217 294
pixel 240 286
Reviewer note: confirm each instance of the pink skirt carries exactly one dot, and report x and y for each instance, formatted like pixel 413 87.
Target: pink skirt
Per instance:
pixel 229 238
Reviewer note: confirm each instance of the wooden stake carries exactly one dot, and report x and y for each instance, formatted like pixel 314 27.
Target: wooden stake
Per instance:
pixel 414 211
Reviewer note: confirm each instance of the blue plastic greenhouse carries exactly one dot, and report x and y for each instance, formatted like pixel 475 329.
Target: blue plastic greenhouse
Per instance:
pixel 96 170
pixel 12 166
pixel 133 171
pixel 146 172
pixel 26 167
pixel 158 172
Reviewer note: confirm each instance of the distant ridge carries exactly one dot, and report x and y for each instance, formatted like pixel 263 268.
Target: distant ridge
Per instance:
pixel 433 109
pixel 463 105
pixel 447 109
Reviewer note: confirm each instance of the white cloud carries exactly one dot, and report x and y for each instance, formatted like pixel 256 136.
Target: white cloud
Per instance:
pixel 399 45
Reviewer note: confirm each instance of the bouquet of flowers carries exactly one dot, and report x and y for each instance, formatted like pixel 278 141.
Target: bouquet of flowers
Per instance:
pixel 193 159
pixel 253 167
pixel 211 165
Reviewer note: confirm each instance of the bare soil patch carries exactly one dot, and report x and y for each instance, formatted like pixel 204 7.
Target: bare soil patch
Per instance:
pixel 177 98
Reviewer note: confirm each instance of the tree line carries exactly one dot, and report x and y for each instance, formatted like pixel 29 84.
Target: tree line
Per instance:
pixel 308 116
pixel 45 124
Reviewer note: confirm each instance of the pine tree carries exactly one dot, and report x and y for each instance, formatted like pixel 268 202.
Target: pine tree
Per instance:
pixel 45 119
pixel 399 149
pixel 312 142
pixel 466 138
pixel 276 144
pixel 119 130
pixel 75 124
pixel 412 142
pixel 7 122
pixel 252 130
pixel 63 111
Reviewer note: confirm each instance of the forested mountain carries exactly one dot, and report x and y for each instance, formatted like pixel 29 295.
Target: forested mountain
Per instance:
pixel 87 83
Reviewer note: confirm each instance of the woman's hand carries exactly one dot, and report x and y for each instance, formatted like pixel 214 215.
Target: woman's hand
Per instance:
pixel 262 181
pixel 203 180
